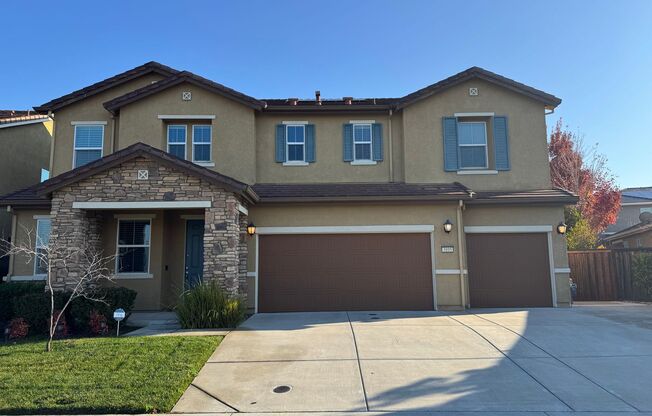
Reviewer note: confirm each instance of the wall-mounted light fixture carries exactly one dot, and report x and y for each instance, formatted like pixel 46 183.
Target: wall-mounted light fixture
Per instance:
pixel 251 229
pixel 561 228
pixel 448 226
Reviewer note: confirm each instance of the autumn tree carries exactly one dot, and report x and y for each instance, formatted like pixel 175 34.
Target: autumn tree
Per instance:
pixel 584 171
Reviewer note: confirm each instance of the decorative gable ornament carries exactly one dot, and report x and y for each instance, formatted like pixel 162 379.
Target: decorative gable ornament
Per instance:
pixel 186 96
pixel 143 174
pixel 473 91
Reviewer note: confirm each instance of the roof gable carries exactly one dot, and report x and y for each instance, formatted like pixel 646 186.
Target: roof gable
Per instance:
pixel 479 73
pixel 115 104
pixel 143 150
pixel 114 81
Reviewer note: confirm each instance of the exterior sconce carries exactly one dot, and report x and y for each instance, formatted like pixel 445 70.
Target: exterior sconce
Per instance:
pixel 561 228
pixel 448 226
pixel 251 229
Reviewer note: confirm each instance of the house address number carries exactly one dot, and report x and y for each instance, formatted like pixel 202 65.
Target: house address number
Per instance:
pixel 447 249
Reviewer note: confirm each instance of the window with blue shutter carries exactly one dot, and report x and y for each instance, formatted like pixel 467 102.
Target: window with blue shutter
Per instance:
pixel 177 140
pixel 201 143
pixel 280 143
pixel 310 143
pixel 347 139
pixel 296 143
pixel 449 128
pixel 89 142
pixel 377 141
pixel 472 141
pixel 501 143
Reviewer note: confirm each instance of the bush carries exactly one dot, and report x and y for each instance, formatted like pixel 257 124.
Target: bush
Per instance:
pixel 642 271
pixel 114 298
pixel 35 309
pixel 207 306
pixel 13 290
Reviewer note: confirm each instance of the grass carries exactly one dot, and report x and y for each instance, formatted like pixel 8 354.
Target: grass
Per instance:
pixel 100 375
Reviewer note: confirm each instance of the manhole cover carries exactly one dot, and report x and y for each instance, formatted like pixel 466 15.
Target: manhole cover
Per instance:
pixel 282 389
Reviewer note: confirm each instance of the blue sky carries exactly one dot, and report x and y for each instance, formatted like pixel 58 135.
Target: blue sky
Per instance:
pixel 595 55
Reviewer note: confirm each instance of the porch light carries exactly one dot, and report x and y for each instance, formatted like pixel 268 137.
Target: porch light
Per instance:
pixel 561 228
pixel 448 226
pixel 251 229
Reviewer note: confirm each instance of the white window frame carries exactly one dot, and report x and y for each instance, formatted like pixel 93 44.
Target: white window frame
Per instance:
pixel 118 246
pixel 356 159
pixel 210 145
pixel 37 245
pixel 486 147
pixel 644 209
pixel 301 162
pixel 185 143
pixel 74 141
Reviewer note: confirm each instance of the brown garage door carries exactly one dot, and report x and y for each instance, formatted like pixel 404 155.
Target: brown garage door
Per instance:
pixel 508 270
pixel 336 272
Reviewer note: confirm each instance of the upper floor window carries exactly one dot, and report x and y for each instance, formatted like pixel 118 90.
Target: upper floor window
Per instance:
pixel 201 143
pixel 362 142
pixel 133 246
pixel 296 143
pixel 472 141
pixel 43 226
pixel 177 140
pixel 89 142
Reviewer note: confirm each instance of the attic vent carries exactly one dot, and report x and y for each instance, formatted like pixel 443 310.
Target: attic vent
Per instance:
pixel 348 100
pixel 143 174
pixel 186 96
pixel 473 91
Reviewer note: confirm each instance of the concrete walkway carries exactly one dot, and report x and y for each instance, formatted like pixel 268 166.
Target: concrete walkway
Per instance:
pixel 165 323
pixel 594 358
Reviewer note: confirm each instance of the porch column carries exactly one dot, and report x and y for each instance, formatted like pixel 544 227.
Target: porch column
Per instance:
pixel 221 243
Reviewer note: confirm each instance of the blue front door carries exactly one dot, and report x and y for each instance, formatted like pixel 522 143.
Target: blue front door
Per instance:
pixel 194 252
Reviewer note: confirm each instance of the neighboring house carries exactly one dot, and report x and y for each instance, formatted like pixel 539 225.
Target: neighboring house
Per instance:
pixel 25 139
pixel 439 199
pixel 636 236
pixel 634 202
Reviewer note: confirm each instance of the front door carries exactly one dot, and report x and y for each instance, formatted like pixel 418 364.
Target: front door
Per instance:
pixel 194 252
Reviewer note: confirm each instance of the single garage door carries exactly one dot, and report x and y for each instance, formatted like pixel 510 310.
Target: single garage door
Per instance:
pixel 339 272
pixel 509 270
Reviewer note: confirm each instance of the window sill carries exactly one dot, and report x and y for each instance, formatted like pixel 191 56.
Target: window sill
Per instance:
pixel 297 163
pixel 364 163
pixel 125 276
pixel 477 172
pixel 205 164
pixel 28 278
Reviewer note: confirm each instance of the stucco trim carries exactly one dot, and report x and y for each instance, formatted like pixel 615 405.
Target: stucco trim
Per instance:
pixel 186 117
pixel 479 114
pixel 42 217
pixel 132 276
pixel 562 270
pixel 243 209
pixel 477 172
pixel 26 278
pixel 87 123
pixel 625 204
pixel 142 205
pixel 450 271
pixel 348 229
pixel 289 123
pixel 508 229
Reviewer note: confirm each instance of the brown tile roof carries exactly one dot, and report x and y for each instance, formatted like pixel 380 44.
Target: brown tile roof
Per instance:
pixel 16 116
pixel 477 72
pixel 149 67
pixel 26 197
pixel 327 192
pixel 518 197
pixel 639 228
pixel 306 105
pixel 178 78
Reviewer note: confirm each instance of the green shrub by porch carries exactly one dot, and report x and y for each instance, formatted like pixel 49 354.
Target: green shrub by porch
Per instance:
pixel 11 291
pixel 208 306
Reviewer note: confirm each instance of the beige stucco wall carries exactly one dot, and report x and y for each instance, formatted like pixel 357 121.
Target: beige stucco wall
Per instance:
pixel 90 109
pixel 233 148
pixel 422 123
pixel 329 165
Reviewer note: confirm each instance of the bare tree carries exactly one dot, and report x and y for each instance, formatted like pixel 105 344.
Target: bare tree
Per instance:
pixel 89 263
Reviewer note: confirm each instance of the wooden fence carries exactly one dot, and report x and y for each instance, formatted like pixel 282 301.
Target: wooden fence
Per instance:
pixel 605 274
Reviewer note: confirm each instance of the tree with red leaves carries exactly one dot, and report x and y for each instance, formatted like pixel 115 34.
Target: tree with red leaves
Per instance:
pixel 583 171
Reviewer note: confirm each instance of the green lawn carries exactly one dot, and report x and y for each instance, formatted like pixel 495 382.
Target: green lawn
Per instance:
pixel 100 375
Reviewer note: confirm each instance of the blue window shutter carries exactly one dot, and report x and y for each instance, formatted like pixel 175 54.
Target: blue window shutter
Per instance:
pixel 348 142
pixel 377 141
pixel 501 143
pixel 310 143
pixel 280 143
pixel 449 128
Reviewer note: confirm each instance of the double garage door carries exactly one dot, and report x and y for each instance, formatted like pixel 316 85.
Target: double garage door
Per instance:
pixel 339 272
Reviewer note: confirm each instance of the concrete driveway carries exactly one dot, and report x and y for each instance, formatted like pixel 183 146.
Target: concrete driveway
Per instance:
pixel 589 358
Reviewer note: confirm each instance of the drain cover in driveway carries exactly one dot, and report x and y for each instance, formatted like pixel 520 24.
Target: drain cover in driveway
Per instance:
pixel 282 389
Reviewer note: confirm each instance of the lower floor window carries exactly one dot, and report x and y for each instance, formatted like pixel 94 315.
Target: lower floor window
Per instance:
pixel 133 246
pixel 43 227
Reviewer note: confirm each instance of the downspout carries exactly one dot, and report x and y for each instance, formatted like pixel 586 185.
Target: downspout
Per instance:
pixel 54 135
pixel 391 146
pixel 12 258
pixel 112 134
pixel 459 253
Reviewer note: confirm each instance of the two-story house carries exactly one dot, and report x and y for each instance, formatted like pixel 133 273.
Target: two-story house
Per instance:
pixel 437 200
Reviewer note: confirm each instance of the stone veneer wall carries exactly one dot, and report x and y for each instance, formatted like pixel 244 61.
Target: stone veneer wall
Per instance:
pixel 223 248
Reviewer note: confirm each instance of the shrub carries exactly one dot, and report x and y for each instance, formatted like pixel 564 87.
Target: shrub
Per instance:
pixel 35 309
pixel 18 328
pixel 642 273
pixel 98 323
pixel 10 291
pixel 207 306
pixel 113 298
